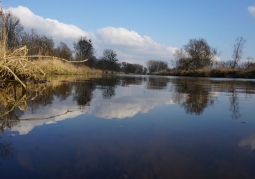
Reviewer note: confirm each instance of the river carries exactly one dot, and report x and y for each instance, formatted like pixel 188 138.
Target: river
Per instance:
pixel 129 127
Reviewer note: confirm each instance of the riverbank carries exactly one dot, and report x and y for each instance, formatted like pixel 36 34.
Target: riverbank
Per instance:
pixel 55 66
pixel 220 73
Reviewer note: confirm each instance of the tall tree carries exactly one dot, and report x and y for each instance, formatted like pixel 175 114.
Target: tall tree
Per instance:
pixel 37 44
pixel 13 30
pixel 83 49
pixel 156 65
pixel 109 60
pixel 238 50
pixel 63 51
pixel 195 55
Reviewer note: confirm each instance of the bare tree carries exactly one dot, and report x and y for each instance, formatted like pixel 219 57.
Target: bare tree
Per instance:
pixel 63 51
pixel 108 61
pixel 83 49
pixel 248 65
pixel 13 30
pixel 37 44
pixel 182 60
pixel 238 51
pixel 196 54
pixel 156 65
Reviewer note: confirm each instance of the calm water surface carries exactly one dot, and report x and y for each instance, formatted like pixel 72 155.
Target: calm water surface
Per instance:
pixel 129 127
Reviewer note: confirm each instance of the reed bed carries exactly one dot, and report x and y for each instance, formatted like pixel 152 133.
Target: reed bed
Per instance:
pixel 56 66
pixel 18 66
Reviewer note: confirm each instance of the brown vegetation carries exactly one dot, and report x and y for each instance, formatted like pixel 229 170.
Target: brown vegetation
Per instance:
pixel 218 72
pixel 19 65
pixel 56 66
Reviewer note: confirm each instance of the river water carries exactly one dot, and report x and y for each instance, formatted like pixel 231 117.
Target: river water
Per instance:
pixel 129 127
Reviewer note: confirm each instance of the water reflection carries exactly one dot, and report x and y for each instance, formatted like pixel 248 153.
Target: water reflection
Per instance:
pixel 14 101
pixel 154 141
pixel 157 83
pixel 248 141
pixel 5 148
pixel 127 97
pixel 83 93
pixel 107 86
pixel 193 95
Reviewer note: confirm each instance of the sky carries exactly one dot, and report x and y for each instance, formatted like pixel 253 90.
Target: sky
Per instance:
pixel 142 30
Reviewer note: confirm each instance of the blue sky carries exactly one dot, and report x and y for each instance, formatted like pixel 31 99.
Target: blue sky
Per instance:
pixel 142 30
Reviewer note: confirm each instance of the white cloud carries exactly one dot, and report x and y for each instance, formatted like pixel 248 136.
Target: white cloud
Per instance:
pixel 67 33
pixel 251 9
pixel 132 47
pixel 129 45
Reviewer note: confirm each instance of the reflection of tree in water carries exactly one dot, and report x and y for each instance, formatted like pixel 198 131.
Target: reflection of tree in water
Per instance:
pixel 131 80
pixel 5 148
pixel 14 101
pixel 193 95
pixel 157 83
pixel 108 92
pixel 198 99
pixel 234 103
pixel 83 92
pixel 235 88
pixel 63 91
pixel 107 85
pixel 234 106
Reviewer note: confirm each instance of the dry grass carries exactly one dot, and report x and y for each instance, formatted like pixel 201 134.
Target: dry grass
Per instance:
pixel 54 66
pixel 17 65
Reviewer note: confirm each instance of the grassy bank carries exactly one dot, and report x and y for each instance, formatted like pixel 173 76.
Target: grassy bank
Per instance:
pixel 220 73
pixel 54 66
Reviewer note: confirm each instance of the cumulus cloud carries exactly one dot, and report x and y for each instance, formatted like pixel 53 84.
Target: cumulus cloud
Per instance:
pixel 133 47
pixel 251 9
pixel 129 45
pixel 67 33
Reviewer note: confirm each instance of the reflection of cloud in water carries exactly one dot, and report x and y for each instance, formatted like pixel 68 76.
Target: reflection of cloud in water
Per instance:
pixel 126 103
pixel 122 105
pixel 248 141
pixel 25 126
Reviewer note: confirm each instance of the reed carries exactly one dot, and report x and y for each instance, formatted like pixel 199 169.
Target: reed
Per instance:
pixel 56 66
pixel 17 65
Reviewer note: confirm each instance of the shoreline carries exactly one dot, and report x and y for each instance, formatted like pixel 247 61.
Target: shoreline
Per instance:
pixel 215 73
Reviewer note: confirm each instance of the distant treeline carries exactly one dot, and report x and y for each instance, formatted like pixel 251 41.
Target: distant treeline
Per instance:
pixel 38 44
pixel 196 55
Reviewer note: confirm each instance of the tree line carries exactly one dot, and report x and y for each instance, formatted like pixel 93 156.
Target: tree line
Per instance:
pixel 197 54
pixel 44 45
